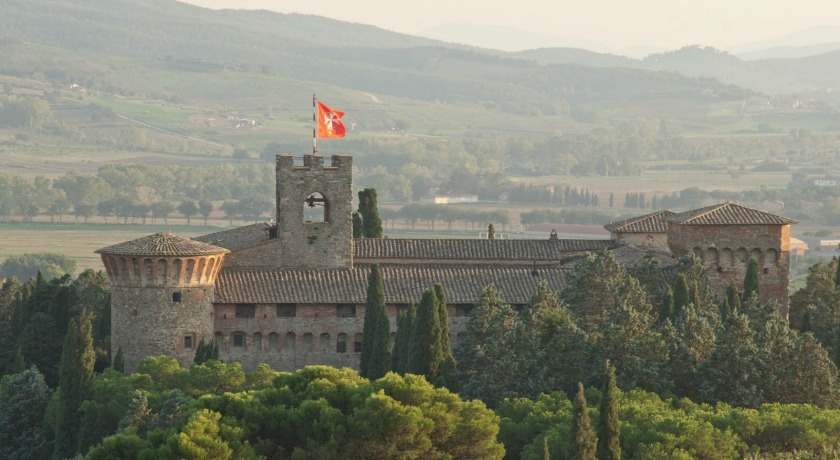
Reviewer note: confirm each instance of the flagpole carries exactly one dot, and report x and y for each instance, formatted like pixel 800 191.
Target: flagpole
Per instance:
pixel 314 126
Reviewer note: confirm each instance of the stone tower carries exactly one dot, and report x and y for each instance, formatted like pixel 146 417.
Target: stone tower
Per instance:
pixel 314 212
pixel 161 296
pixel 726 236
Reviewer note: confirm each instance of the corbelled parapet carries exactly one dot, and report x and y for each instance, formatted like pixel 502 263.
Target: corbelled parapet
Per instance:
pixel 162 259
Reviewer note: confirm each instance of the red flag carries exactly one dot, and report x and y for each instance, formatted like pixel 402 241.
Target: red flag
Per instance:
pixel 329 122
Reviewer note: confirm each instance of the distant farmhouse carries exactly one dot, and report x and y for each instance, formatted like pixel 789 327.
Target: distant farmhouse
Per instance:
pixel 292 294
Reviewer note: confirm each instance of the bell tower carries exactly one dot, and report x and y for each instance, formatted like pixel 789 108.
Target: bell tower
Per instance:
pixel 314 211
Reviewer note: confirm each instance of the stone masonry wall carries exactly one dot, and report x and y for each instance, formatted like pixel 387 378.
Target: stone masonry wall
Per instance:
pixel 726 251
pixel 310 337
pixel 304 244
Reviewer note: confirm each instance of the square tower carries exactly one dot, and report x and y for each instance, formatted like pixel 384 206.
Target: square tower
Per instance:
pixel 315 212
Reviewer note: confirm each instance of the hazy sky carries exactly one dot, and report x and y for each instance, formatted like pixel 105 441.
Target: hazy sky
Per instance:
pixel 617 24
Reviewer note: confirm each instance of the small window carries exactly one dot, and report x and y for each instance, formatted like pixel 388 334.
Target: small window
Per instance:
pixel 345 310
pixel 176 296
pixel 463 309
pixel 766 271
pixel 188 341
pixel 357 343
pixel 341 343
pixel 286 310
pixel 238 339
pixel 247 310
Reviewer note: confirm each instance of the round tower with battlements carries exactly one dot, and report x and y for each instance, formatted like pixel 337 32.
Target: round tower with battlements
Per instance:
pixel 161 296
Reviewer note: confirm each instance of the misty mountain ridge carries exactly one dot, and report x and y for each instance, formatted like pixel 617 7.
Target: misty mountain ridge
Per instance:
pixel 312 50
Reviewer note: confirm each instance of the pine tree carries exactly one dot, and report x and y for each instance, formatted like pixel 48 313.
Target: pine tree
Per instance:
pixel 371 223
pixel 376 331
pixel 75 375
pixel 119 361
pixel 751 280
pixel 584 442
pixel 609 427
pixel 425 354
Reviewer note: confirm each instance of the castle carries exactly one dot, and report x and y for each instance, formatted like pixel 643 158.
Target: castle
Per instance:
pixel 293 293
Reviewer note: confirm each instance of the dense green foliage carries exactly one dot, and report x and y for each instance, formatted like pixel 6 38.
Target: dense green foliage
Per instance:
pixel 34 317
pixel 315 412
pixel 655 427
pixel 609 427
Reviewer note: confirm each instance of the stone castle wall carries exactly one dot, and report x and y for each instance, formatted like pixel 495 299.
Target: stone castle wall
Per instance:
pixel 313 336
pixel 727 249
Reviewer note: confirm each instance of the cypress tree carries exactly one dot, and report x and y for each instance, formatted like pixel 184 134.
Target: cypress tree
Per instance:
pixel 609 427
pixel 681 293
pixel 371 223
pixel 213 352
pixel 200 353
pixel 358 230
pixel 443 317
pixel 491 232
pixel 118 364
pixel 19 365
pixel 837 275
pixel 425 355
pixel 583 437
pixel 75 376
pixel 733 299
pixel 405 325
pixel 374 309
pixel 751 280
pixel 667 309
pixel 380 357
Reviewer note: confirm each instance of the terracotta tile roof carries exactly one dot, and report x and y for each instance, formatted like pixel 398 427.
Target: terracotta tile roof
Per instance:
pixel 237 238
pixel 403 284
pixel 163 244
pixel 649 223
pixel 429 249
pixel 729 213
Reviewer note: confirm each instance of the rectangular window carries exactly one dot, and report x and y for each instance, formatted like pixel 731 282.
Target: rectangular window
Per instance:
pixel 176 296
pixel 286 310
pixel 238 340
pixel 246 310
pixel 345 310
pixel 188 341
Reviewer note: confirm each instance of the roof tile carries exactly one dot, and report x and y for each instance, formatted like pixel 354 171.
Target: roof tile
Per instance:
pixel 163 244
pixel 728 213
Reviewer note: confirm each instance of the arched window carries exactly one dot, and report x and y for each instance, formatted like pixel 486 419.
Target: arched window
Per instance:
pixel 307 342
pixel 257 342
pixel 341 343
pixel 291 344
pixel 315 208
pixel 273 341
pixel 357 343
pixel 325 342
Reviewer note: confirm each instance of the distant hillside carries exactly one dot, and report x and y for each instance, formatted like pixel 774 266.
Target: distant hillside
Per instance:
pixel 820 71
pixel 341 55
pixel 790 52
pixel 576 56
